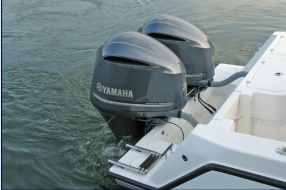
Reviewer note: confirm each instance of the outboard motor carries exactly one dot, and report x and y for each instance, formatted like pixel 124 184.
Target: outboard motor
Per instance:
pixel 136 77
pixel 188 42
pixel 193 48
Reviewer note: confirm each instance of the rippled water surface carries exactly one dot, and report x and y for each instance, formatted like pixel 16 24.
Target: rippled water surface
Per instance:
pixel 52 136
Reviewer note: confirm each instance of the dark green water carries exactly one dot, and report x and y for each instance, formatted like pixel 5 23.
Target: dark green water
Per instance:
pixel 52 137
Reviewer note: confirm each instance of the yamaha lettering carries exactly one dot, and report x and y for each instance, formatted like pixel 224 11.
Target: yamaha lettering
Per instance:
pixel 114 91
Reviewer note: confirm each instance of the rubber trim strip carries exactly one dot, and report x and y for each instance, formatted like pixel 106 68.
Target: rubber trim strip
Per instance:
pixel 205 169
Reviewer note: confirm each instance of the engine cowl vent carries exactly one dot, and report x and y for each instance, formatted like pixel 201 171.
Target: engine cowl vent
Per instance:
pixel 124 61
pixel 166 37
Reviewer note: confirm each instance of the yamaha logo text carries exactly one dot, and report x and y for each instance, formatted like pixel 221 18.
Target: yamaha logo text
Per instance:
pixel 114 91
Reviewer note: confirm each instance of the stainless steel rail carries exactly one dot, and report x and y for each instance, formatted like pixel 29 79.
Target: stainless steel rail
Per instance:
pixel 167 149
pixel 125 166
pixel 140 149
pixel 147 164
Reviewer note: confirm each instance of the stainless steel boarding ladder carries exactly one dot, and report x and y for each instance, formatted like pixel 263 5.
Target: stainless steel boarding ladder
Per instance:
pixel 147 164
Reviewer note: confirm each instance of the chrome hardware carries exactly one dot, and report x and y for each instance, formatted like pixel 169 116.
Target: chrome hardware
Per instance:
pixel 168 148
pixel 281 150
pixel 147 164
pixel 256 49
pixel 190 92
pixel 139 149
pixel 125 166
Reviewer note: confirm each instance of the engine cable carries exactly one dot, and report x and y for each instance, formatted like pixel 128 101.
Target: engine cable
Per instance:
pixel 206 104
pixel 179 127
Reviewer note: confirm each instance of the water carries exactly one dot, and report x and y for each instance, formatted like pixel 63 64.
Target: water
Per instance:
pixel 52 137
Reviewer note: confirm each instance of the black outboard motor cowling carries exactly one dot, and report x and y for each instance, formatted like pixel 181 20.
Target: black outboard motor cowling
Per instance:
pixel 135 77
pixel 188 42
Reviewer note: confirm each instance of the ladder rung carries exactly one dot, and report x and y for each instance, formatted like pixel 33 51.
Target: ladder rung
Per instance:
pixel 144 163
pixel 152 164
pixel 150 161
pixel 156 158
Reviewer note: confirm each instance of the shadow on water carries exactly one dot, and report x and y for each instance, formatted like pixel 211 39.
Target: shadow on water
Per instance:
pixel 53 138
